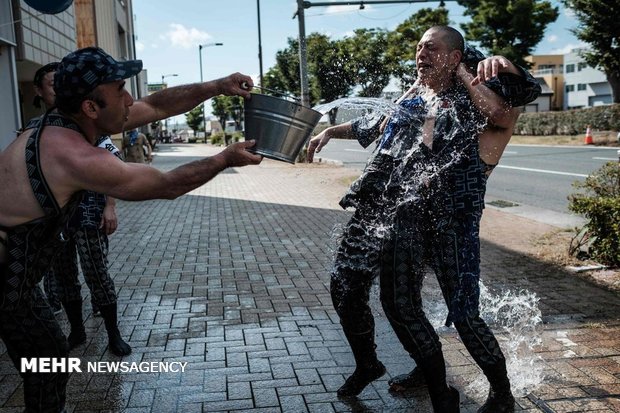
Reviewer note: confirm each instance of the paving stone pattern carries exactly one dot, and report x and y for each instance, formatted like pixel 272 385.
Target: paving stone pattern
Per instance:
pixel 233 279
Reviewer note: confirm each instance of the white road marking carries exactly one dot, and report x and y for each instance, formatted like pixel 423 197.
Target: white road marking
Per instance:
pixel 544 171
pixel 356 150
pixel 605 159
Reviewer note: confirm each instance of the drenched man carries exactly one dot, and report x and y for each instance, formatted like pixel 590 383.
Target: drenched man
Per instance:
pixel 43 173
pixel 424 189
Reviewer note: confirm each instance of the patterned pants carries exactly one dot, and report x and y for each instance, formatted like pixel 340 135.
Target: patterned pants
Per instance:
pixel 30 330
pixel 51 290
pixel 453 249
pixel 92 247
pixel 355 267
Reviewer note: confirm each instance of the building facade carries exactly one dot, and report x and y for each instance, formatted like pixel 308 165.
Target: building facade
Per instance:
pixel 108 24
pixel 549 71
pixel 38 39
pixel 30 39
pixel 585 86
pixel 9 104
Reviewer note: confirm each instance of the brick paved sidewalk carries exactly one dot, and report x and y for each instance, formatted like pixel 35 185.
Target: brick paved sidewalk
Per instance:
pixel 233 279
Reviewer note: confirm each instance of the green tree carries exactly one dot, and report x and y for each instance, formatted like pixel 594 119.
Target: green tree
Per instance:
pixel 511 28
pixel 284 76
pixel 328 75
pixel 274 79
pixel 225 107
pixel 599 27
pixel 403 41
pixel 195 118
pixel 328 67
pixel 366 58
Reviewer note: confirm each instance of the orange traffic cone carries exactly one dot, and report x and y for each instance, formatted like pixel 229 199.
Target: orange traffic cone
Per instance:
pixel 588 140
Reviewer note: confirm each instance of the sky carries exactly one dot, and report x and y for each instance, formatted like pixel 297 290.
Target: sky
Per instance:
pixel 169 32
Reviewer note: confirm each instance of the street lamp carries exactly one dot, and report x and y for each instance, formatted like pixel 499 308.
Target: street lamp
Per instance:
pixel 260 47
pixel 162 87
pixel 204 117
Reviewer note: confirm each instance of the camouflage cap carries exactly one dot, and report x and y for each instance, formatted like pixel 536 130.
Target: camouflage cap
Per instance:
pixel 80 72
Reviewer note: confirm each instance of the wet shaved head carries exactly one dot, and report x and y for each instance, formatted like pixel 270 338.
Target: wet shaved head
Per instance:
pixel 451 37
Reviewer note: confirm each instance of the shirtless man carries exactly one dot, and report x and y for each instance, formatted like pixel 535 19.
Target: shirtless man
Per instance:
pixel 43 173
pixel 133 145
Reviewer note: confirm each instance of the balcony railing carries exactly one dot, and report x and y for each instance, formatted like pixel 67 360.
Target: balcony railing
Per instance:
pixel 544 72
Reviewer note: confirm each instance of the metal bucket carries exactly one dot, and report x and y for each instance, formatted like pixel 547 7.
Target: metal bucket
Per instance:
pixel 279 126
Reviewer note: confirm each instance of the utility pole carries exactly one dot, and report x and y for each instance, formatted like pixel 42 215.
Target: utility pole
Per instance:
pixel 303 54
pixel 204 116
pixel 260 47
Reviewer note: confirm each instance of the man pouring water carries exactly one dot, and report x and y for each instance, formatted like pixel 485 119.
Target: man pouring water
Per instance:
pixel 43 173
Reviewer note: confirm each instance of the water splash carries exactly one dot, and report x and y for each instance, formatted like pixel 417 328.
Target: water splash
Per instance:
pixel 513 315
pixel 378 106
pixel 516 318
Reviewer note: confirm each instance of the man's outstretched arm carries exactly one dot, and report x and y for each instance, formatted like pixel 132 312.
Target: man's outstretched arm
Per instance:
pixel 180 99
pixel 98 171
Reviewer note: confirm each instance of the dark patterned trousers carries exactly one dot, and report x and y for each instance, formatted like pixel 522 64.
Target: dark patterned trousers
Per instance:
pixel 452 248
pixel 355 267
pixel 51 290
pixel 30 330
pixel 92 247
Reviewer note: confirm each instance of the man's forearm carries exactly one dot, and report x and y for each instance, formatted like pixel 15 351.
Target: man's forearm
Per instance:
pixel 489 103
pixel 192 175
pixel 180 99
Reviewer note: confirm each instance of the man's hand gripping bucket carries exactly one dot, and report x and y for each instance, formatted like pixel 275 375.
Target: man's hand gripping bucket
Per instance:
pixel 280 127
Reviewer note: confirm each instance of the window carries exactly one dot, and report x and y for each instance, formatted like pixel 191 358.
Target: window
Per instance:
pixel 581 66
pixel 570 88
pixel 570 68
pixel 543 67
pixel 581 86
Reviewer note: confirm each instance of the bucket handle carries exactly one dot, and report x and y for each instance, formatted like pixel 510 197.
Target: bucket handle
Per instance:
pixel 245 86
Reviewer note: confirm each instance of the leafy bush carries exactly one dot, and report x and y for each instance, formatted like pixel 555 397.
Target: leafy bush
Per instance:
pixel 570 122
pixel 600 203
pixel 217 138
pixel 237 137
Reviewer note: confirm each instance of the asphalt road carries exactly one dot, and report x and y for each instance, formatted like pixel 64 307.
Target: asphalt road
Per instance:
pixel 534 175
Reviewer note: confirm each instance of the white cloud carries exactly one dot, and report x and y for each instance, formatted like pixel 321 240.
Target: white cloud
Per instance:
pixel 154 46
pixel 568 48
pixel 569 13
pixel 552 39
pixel 184 37
pixel 139 46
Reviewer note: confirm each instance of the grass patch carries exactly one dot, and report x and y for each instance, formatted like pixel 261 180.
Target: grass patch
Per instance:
pixel 600 139
pixel 348 180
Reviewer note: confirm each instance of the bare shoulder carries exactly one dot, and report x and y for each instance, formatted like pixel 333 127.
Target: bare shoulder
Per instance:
pixel 70 162
pixel 65 145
